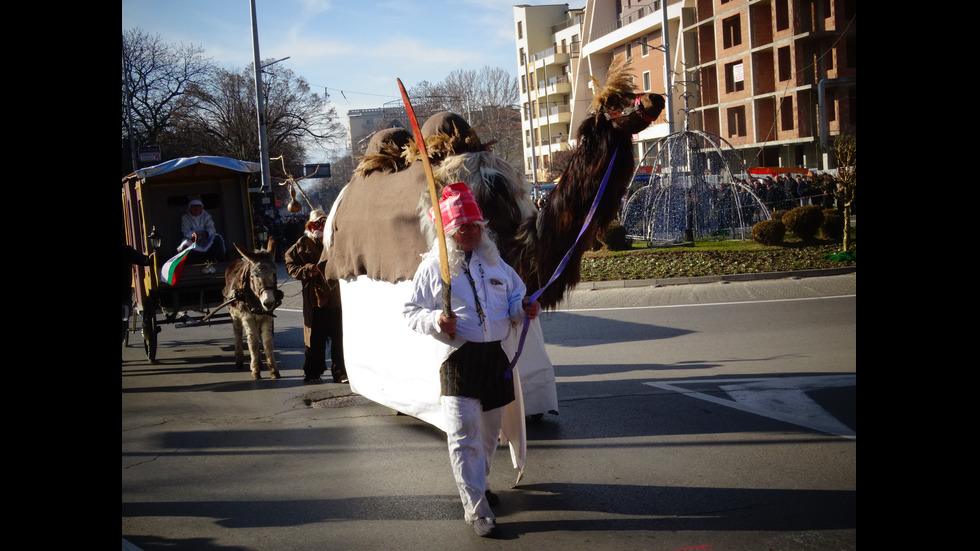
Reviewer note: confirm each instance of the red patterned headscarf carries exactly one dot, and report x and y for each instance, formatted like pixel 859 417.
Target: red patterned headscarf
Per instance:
pixel 458 206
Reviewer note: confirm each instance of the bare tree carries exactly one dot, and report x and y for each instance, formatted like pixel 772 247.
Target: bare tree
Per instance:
pixel 496 87
pixel 225 121
pixel 156 78
pixel 559 162
pixel 487 99
pixel 429 98
pixel 296 114
pixel 845 153
pixel 462 93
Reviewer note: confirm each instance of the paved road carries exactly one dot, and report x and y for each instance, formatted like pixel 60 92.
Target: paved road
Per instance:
pixel 715 416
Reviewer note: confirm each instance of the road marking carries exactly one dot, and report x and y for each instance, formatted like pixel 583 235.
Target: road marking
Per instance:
pixel 702 304
pixel 780 398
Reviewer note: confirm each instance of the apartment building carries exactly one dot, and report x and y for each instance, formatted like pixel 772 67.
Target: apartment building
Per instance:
pixel 548 43
pixel 775 78
pixel 364 123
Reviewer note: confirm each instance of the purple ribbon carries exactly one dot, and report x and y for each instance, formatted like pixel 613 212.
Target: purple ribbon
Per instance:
pixel 561 265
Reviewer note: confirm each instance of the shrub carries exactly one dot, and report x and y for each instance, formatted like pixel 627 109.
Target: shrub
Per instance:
pixel 614 238
pixel 833 225
pixel 769 232
pixel 804 222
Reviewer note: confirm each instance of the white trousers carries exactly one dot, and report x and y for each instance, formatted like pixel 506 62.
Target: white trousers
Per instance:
pixel 472 435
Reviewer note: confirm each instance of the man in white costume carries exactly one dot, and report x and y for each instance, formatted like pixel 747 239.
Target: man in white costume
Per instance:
pixel 197 227
pixel 475 381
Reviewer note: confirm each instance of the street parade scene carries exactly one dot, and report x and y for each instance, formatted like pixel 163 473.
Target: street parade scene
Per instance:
pixel 470 326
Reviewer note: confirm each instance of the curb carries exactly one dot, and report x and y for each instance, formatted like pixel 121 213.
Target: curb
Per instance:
pixel 726 278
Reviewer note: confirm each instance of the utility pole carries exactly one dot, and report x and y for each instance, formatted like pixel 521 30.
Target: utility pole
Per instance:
pixel 530 120
pixel 667 72
pixel 665 48
pixel 259 102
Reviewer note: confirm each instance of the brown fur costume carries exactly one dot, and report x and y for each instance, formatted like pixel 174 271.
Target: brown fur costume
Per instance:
pixel 380 226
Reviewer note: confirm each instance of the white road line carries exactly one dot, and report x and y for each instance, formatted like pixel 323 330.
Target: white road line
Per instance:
pixel 703 304
pixel 780 398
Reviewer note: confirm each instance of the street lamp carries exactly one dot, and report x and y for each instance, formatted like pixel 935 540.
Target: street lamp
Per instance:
pixel 274 62
pixel 261 235
pixel 156 241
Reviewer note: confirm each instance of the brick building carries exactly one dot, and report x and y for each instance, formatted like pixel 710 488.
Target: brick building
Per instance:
pixel 775 78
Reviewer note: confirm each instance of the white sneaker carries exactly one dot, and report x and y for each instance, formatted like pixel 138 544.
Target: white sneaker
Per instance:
pixel 485 527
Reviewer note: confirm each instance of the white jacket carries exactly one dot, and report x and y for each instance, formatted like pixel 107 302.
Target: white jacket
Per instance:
pixel 499 288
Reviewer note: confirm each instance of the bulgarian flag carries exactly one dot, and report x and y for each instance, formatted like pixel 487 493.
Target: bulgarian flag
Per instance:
pixel 172 268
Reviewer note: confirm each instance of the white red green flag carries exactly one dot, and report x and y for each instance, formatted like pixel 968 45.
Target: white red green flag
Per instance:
pixel 172 268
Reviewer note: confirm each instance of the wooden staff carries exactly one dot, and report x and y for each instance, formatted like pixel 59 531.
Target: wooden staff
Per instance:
pixel 434 198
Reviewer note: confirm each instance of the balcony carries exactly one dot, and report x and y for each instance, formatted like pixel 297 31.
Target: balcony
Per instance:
pixel 554 114
pixel 555 54
pixel 554 85
pixel 627 20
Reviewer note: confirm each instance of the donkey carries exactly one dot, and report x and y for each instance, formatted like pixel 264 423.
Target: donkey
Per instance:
pixel 251 286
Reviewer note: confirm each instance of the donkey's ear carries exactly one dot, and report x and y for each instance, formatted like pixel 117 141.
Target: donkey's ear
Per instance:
pixel 246 254
pixel 271 246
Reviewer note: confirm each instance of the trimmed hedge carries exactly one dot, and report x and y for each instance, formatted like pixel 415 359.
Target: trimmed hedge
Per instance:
pixel 833 225
pixel 804 222
pixel 614 238
pixel 769 232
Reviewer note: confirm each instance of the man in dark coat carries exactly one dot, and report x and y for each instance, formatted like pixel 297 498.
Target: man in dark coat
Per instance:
pixel 322 314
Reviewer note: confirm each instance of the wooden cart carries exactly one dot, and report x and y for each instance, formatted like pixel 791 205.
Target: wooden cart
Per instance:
pixel 153 201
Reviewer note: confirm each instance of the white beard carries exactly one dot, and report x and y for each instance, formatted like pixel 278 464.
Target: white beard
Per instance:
pixel 316 235
pixel 456 256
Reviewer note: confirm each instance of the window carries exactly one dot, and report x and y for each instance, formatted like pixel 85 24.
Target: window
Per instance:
pixel 734 77
pixel 732 29
pixel 736 122
pixel 784 62
pixel 786 113
pixel 629 51
pixel 520 30
pixel 644 47
pixel 782 15
pixel 646 81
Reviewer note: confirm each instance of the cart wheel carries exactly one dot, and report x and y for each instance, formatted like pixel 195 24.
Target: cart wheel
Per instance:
pixel 125 326
pixel 150 330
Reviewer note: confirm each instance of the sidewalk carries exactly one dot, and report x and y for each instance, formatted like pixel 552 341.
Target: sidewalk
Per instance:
pixel 622 284
pixel 293 299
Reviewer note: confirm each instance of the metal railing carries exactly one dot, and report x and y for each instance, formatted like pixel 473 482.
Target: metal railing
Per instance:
pixel 631 17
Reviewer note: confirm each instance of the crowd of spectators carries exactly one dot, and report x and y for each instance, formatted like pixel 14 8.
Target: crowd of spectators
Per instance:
pixel 786 191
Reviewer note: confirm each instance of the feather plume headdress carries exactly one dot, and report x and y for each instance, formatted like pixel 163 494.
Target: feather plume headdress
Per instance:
pixel 616 92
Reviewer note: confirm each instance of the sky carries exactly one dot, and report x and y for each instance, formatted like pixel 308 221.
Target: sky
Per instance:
pixel 354 50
